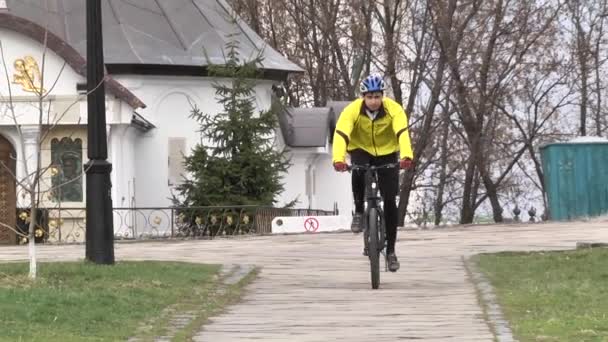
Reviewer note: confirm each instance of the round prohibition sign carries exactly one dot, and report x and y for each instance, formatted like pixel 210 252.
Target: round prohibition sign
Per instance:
pixel 311 224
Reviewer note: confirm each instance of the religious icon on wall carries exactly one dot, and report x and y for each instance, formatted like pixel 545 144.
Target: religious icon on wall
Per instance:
pixel 66 157
pixel 27 74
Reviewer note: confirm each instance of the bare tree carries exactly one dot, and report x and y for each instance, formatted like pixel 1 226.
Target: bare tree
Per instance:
pixel 587 19
pixel 250 11
pixel 534 105
pixel 488 76
pixel 428 72
pixel 390 14
pixel 331 40
pixel 486 43
pixel 445 172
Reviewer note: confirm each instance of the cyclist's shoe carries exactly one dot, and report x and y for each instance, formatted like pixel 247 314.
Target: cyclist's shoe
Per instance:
pixel 393 263
pixel 357 225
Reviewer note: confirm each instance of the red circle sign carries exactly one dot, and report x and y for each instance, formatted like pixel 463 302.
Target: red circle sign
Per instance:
pixel 311 225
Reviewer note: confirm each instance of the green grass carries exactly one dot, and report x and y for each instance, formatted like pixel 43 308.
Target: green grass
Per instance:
pixel 86 302
pixel 552 296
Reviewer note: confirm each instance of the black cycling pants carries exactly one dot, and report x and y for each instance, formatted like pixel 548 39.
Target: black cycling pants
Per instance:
pixel 388 182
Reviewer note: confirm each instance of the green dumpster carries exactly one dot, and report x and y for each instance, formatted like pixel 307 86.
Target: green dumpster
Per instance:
pixel 576 178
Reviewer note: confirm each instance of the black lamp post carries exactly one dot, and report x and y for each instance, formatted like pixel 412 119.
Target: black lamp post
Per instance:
pixel 99 225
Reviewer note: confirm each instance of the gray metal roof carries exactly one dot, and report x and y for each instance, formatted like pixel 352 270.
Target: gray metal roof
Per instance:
pixel 305 127
pixel 161 32
pixel 336 108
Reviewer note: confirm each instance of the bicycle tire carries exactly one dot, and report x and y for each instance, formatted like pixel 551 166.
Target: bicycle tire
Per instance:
pixel 381 229
pixel 382 237
pixel 374 247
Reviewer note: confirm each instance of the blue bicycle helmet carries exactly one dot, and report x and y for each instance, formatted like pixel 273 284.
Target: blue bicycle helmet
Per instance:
pixel 372 83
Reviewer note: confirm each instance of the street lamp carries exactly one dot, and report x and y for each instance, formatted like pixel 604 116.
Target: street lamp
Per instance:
pixel 99 225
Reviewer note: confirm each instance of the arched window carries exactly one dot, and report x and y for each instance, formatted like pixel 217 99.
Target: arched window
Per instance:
pixel 66 157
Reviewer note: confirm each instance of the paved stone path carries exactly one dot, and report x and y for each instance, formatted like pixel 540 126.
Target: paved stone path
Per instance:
pixel 317 288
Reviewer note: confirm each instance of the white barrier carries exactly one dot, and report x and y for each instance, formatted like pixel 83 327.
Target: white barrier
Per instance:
pixel 310 224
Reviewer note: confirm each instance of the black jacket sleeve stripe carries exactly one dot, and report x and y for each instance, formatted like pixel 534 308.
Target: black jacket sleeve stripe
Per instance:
pixel 343 135
pixel 401 131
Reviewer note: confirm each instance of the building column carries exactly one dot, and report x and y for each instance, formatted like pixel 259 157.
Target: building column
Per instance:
pixel 29 158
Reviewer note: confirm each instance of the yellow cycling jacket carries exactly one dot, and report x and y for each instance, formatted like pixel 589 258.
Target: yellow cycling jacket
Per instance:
pixel 386 134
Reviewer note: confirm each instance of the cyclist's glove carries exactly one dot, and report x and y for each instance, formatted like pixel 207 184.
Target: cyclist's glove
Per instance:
pixel 340 166
pixel 406 164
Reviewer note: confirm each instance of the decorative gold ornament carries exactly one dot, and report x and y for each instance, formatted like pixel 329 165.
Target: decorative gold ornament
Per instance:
pixel 157 220
pixel 27 74
pixel 24 215
pixel 55 223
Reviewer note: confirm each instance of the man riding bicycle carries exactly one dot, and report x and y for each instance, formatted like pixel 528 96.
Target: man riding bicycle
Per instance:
pixel 374 130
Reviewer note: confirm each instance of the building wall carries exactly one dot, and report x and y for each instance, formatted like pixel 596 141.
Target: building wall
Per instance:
pixel 144 163
pixel 314 183
pixel 169 102
pixel 16 46
pixel 63 105
pixel 25 109
pixel 332 187
pixel 121 151
pixel 144 170
pixel 295 181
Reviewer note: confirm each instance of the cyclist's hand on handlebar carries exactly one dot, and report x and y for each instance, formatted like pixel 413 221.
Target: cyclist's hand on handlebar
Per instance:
pixel 340 166
pixel 406 164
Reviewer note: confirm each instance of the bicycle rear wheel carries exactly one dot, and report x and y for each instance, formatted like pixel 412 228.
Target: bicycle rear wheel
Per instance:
pixel 374 247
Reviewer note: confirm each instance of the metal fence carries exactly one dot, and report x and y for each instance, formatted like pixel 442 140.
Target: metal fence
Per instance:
pixel 68 224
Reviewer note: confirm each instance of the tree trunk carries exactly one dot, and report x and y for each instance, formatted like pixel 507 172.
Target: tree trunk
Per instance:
pixel 32 236
pixel 341 62
pixel 390 49
pixel 584 99
pixel 540 174
pixel 404 194
pixel 598 82
pixel 492 193
pixel 582 50
pixel 254 15
pixel 445 131
pixel 423 139
pixel 467 211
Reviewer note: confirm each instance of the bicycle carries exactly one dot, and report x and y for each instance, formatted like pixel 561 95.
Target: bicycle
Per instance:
pixel 374 230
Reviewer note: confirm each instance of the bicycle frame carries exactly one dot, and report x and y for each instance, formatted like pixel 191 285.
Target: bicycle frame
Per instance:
pixel 372 200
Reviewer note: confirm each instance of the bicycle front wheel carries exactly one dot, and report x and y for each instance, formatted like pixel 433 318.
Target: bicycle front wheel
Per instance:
pixel 374 247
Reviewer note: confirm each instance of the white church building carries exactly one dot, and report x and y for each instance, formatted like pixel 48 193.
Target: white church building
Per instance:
pixel 154 53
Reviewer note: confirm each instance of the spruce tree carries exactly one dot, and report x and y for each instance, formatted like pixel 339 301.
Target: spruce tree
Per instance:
pixel 236 162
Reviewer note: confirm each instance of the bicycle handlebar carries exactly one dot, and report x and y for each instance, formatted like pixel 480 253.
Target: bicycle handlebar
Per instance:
pixel 372 167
